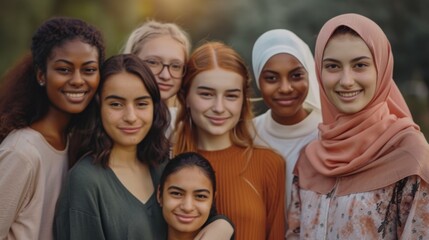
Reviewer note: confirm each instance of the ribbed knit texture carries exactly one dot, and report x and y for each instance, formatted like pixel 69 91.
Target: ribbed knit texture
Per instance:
pixel 250 191
pixel 31 176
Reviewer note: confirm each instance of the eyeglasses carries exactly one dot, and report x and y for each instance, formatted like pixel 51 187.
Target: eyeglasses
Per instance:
pixel 176 69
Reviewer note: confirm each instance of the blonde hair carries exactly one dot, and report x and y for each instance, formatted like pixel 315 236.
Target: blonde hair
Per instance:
pixel 153 29
pixel 206 57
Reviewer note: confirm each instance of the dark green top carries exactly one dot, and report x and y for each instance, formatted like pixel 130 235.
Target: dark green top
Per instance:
pixel 95 205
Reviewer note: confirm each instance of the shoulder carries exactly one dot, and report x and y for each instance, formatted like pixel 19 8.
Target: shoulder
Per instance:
pixel 21 147
pixel 86 172
pixel 268 156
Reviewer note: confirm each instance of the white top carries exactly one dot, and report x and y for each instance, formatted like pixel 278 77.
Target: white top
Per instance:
pixel 287 140
pixel 31 176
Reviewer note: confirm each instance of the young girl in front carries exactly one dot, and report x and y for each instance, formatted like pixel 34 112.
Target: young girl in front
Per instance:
pixel 214 120
pixel 186 194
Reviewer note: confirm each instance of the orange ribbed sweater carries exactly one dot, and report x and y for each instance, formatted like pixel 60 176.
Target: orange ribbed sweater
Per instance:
pixel 250 192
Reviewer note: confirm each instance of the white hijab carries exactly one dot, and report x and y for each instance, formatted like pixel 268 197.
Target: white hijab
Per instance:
pixel 284 41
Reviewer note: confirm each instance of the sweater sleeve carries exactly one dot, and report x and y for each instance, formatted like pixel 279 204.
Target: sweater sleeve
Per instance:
pixel 275 197
pixel 76 214
pixel 17 178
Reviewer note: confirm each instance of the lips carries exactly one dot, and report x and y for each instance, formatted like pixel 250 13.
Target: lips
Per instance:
pixel 286 101
pixel 185 218
pixel 217 120
pixel 74 96
pixel 164 87
pixel 348 94
pixel 129 130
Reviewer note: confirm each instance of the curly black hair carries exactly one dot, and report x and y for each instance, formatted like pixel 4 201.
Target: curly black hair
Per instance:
pixel 22 100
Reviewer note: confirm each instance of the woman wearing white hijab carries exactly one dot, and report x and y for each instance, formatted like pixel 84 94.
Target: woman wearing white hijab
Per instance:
pixel 284 72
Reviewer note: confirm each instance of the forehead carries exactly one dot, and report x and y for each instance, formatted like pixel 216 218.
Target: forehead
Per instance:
pixel 124 84
pixel 283 60
pixel 346 46
pixel 218 79
pixel 190 176
pixel 74 50
pixel 163 47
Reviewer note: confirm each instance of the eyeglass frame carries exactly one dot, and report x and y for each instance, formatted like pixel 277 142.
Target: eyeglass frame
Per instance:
pixel 159 61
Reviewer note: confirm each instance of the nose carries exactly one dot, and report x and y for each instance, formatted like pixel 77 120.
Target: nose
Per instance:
pixel 285 86
pixel 218 105
pixel 187 204
pixel 130 114
pixel 164 74
pixel 77 79
pixel 346 79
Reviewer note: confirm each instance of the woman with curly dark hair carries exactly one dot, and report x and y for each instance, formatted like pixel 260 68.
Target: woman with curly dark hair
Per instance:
pixel 42 100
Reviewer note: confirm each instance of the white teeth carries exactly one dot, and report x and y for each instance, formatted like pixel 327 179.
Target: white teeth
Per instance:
pixel 75 95
pixel 348 94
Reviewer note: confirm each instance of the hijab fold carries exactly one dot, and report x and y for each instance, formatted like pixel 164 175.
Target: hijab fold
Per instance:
pixel 374 147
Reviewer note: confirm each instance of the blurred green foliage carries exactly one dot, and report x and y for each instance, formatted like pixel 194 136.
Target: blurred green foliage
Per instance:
pixel 238 23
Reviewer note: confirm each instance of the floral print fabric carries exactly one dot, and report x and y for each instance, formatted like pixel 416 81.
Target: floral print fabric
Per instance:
pixel 397 211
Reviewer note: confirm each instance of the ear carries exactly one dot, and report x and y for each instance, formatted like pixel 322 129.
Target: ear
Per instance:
pixel 41 77
pixel 158 196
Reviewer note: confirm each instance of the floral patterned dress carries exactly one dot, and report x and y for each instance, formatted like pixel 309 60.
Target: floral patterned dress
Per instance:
pixel 397 211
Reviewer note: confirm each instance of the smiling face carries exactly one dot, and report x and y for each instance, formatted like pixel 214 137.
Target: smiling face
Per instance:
pixel 72 76
pixel 284 86
pixel 215 100
pixel 168 51
pixel 126 109
pixel 349 75
pixel 186 201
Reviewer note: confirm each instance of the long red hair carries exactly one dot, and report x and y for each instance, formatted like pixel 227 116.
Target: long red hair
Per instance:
pixel 208 56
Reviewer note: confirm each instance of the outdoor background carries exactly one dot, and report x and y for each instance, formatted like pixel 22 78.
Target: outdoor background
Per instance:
pixel 237 23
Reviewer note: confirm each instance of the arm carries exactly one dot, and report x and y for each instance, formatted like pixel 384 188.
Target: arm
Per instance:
pixel 275 200
pixel 17 180
pixel 414 209
pixel 218 227
pixel 294 212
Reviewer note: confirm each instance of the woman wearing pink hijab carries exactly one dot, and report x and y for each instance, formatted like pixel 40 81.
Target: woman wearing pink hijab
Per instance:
pixel 367 175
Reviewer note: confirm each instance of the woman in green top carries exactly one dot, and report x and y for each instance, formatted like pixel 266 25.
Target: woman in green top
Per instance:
pixel 109 193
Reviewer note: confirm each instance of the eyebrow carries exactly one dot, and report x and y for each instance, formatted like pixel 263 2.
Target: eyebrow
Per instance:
pixel 183 190
pixel 212 89
pixel 353 60
pixel 122 98
pixel 293 70
pixel 70 63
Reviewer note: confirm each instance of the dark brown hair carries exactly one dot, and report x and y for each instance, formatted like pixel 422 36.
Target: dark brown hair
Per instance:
pixel 154 148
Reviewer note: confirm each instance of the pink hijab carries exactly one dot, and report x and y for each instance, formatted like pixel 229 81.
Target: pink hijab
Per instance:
pixel 374 147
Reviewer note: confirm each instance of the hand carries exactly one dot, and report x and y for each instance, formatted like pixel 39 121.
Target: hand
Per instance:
pixel 217 230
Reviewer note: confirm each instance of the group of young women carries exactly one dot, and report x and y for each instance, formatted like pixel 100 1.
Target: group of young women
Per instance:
pixel 159 143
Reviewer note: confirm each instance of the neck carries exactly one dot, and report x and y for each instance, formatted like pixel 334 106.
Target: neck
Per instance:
pixel 291 120
pixel 172 102
pixel 213 143
pixel 123 157
pixel 53 126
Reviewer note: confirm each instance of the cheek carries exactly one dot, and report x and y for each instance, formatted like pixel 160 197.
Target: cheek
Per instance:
pixel 94 81
pixel 237 106
pixel 268 89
